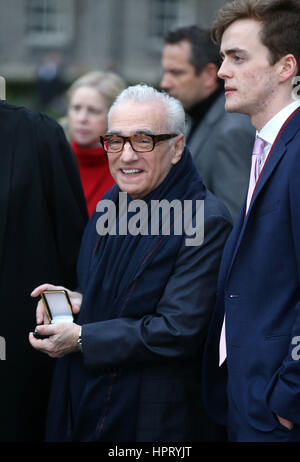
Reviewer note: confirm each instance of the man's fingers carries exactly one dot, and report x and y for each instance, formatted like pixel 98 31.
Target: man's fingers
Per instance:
pixel 46 329
pixel 41 316
pixel 75 309
pixel 38 290
pixel 38 344
pixel 286 423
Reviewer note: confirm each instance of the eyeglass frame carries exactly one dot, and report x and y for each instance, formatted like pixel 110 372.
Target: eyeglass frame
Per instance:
pixel 155 139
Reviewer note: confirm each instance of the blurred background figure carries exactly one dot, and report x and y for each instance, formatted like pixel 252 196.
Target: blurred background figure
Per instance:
pixel 89 99
pixel 220 143
pixel 50 85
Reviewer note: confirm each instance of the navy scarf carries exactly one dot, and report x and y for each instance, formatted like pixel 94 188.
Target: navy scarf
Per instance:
pixel 119 275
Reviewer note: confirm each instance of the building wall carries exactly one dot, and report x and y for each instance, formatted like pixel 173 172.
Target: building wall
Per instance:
pixel 106 34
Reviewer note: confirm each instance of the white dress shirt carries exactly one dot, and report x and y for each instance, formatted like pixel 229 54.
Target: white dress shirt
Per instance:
pixel 270 131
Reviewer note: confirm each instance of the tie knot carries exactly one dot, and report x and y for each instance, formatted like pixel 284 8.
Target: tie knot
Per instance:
pixel 258 147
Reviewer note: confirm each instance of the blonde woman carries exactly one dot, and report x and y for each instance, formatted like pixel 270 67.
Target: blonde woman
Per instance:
pixel 89 99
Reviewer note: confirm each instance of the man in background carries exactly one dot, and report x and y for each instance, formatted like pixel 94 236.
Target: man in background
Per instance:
pixel 220 142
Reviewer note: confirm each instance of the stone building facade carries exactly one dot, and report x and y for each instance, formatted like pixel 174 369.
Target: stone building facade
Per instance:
pixel 121 35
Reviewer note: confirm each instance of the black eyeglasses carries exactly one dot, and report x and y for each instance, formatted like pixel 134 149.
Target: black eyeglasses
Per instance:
pixel 141 142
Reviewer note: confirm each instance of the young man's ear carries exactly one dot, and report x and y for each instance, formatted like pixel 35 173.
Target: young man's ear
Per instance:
pixel 179 146
pixel 287 67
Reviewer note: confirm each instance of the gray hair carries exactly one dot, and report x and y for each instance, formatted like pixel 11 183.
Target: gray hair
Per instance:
pixel 108 84
pixel 143 93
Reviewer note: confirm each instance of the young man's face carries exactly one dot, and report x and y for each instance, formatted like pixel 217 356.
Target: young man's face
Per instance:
pixel 179 75
pixel 251 82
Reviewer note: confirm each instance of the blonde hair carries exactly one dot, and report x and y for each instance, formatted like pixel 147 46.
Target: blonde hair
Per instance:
pixel 108 85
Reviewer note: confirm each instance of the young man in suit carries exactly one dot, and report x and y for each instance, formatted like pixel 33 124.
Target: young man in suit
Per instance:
pixel 220 142
pixel 252 386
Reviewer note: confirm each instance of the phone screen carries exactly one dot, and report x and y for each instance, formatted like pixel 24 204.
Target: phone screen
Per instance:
pixel 58 306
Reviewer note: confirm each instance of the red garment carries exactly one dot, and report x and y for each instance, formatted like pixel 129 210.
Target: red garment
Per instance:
pixel 94 172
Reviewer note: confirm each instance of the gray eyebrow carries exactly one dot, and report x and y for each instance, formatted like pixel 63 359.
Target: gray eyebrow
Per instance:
pixel 137 132
pixel 113 132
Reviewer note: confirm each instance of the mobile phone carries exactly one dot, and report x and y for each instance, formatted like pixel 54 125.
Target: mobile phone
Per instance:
pixel 58 306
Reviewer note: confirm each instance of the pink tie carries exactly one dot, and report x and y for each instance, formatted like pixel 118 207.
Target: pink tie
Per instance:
pixel 255 167
pixel 258 150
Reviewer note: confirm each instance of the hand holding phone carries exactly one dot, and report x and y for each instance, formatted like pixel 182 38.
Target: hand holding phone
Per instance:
pixel 58 308
pixel 42 316
pixel 62 338
pixel 57 305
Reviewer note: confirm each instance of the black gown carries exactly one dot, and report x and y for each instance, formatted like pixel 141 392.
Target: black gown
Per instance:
pixel 42 217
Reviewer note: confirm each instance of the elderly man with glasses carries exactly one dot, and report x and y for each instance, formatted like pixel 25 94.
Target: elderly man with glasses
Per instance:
pixel 129 366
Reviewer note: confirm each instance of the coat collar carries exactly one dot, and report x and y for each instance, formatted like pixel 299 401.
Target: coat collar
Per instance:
pixel 279 147
pixel 204 129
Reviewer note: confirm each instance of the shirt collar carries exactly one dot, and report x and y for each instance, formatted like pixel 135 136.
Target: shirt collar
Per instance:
pixel 270 131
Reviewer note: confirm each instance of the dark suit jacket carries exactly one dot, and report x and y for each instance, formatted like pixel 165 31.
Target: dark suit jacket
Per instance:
pixel 42 218
pixel 221 148
pixel 259 289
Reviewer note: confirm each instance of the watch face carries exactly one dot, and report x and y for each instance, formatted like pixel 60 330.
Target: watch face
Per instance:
pixel 79 342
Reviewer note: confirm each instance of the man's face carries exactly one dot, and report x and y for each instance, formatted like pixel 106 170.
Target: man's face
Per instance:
pixel 139 173
pixel 179 77
pixel 250 80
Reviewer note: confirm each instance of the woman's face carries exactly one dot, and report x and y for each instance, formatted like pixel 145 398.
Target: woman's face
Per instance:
pixel 87 116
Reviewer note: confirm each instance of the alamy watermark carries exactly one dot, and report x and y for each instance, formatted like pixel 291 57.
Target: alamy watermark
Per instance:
pixel 296 350
pixel 163 218
pixel 2 88
pixel 2 348
pixel 296 88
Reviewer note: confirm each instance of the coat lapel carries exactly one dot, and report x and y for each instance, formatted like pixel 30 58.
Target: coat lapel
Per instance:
pixel 274 158
pixel 278 150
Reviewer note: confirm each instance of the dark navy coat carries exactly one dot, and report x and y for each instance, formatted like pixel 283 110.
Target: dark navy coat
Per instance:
pixel 147 301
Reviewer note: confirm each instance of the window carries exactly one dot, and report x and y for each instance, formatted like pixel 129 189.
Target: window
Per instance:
pixel 164 16
pixel 49 22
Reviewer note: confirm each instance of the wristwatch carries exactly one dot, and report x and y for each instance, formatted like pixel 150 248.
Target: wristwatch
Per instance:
pixel 79 340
